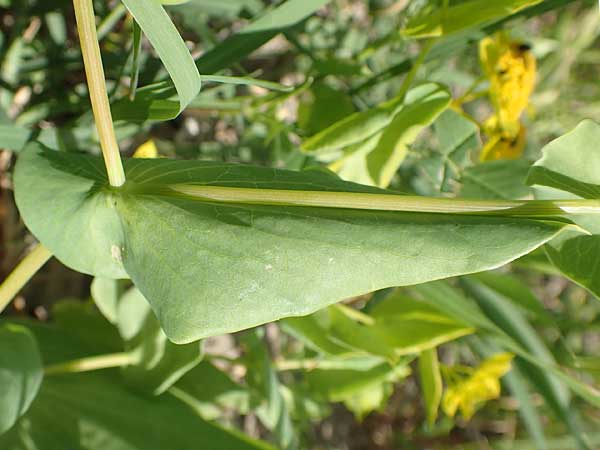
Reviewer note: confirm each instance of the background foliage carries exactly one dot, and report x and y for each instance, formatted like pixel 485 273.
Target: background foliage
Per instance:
pixel 390 94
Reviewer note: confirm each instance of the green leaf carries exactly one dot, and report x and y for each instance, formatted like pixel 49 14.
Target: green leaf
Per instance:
pixel 362 391
pixel 13 137
pixel 411 326
pixel 378 165
pixel 182 252
pixel 315 331
pixel 569 168
pixel 106 293
pixel 514 325
pixel 431 383
pixel 85 325
pixel 369 146
pixel 224 394
pixel 161 363
pixel 164 37
pixel 21 373
pixel 218 8
pixel 513 289
pixel 263 379
pixel 357 127
pixel 458 137
pixel 98 411
pixel 503 179
pixel 259 32
pixel 569 164
pixel 247 81
pixel 441 21
pixel 321 107
pixel 154 102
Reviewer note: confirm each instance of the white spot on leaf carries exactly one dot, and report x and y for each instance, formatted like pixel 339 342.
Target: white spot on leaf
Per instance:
pixel 115 252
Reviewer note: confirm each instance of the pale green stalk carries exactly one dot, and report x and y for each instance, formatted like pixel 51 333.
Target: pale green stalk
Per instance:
pixel 26 269
pixel 410 76
pixel 387 202
pixel 86 26
pixel 92 363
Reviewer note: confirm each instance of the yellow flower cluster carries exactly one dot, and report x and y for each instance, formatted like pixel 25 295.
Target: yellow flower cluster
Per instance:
pixel 481 385
pixel 510 68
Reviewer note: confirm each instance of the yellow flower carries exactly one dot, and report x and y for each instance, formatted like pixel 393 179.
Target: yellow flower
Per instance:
pixel 146 150
pixel 481 385
pixel 510 67
pixel 500 147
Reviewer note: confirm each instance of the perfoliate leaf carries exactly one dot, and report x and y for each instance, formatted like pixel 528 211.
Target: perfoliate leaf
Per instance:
pixel 209 267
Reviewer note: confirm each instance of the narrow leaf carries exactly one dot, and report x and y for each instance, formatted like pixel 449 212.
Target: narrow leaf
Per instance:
pixel 431 383
pixel 164 37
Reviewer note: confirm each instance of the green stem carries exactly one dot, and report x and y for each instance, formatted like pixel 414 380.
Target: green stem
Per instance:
pixel 111 21
pixel 410 76
pixel 135 64
pixel 355 314
pixel 26 269
pixel 92 363
pixel 386 202
pixel 86 26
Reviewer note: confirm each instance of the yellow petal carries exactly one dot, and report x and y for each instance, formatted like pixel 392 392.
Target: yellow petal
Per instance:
pixel 146 150
pixel 511 69
pixel 500 147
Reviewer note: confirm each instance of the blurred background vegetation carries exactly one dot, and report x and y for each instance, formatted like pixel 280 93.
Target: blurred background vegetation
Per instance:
pixel 364 375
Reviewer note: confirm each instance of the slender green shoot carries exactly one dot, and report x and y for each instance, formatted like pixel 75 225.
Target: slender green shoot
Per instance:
pixel 109 23
pixel 411 75
pixel 86 26
pixel 92 363
pixel 387 202
pixel 135 64
pixel 26 269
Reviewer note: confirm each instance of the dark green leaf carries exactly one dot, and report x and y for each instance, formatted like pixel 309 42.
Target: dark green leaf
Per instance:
pixel 21 373
pixel 97 411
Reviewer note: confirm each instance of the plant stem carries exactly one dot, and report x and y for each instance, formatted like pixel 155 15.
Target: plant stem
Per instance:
pixel 410 76
pixel 26 269
pixel 135 63
pixel 387 202
pixel 355 314
pixel 92 363
pixel 86 26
